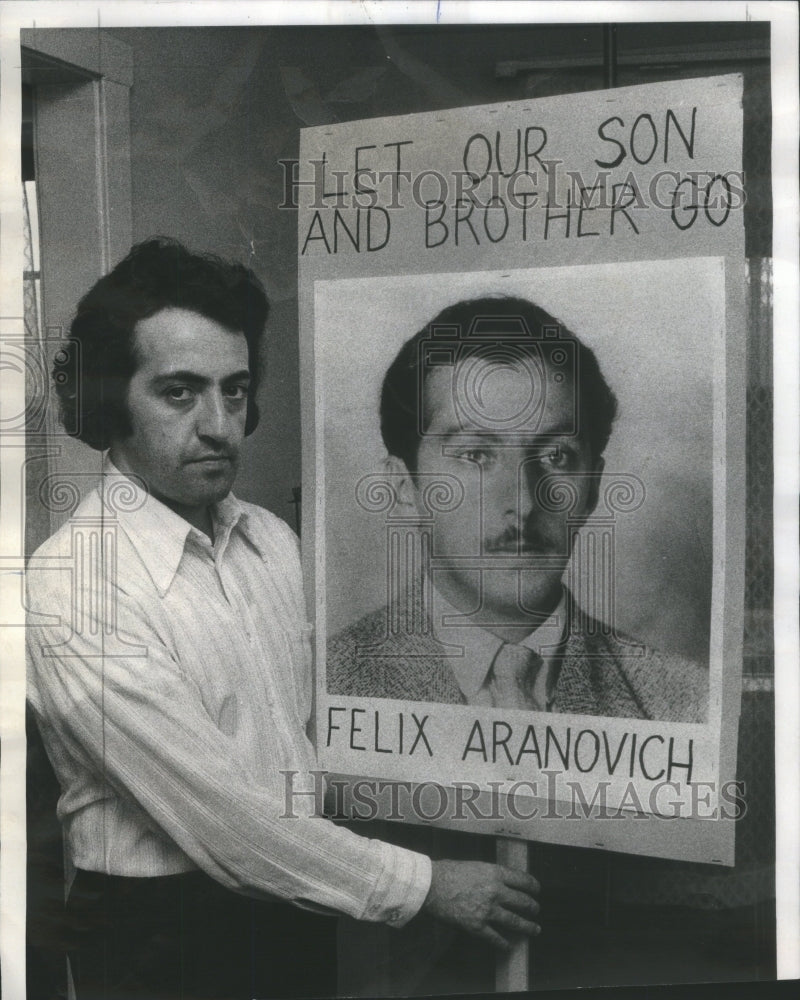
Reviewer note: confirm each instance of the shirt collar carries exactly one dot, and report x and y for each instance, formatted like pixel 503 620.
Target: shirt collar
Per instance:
pixel 479 647
pixel 547 638
pixel 158 534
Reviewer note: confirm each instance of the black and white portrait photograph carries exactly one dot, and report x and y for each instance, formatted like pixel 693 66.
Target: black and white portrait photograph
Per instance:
pixel 399 464
pixel 501 431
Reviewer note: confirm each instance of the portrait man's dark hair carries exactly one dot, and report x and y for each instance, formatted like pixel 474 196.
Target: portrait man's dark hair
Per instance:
pixel 402 410
pixel 92 377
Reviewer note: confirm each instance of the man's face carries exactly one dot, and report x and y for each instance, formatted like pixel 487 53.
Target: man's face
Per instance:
pixel 187 402
pixel 509 534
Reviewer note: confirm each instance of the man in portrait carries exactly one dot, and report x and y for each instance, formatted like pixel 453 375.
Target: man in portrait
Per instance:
pixel 495 418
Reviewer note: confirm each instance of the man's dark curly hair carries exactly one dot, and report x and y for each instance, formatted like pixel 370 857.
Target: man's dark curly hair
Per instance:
pixel 402 410
pixel 92 380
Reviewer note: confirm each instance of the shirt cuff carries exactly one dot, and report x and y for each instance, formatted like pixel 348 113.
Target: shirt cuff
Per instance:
pixel 402 885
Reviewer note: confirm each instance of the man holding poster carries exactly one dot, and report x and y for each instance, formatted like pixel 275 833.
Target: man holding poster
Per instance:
pixel 497 402
pixel 170 674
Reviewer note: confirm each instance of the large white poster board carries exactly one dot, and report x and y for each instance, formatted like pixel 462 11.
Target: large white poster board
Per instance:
pixel 618 213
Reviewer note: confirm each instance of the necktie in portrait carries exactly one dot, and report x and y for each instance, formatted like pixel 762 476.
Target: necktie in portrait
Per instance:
pixel 513 678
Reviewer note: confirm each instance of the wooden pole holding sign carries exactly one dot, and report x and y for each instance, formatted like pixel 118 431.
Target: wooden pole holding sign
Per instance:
pixel 511 972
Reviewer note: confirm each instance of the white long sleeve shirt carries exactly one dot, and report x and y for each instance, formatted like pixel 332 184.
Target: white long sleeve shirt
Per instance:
pixel 171 679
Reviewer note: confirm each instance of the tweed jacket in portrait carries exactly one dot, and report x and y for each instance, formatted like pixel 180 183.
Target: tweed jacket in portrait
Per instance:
pixel 602 673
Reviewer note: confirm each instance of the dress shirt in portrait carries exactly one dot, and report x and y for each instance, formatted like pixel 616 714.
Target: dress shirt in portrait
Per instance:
pixel 171 679
pixel 473 669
